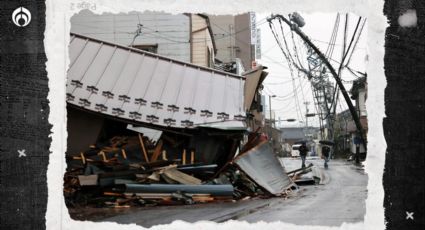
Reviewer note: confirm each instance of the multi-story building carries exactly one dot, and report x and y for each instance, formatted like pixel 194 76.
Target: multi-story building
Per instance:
pixel 235 37
pixel 346 136
pixel 184 37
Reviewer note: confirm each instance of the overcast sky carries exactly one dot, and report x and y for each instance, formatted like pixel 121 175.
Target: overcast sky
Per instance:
pixel 318 27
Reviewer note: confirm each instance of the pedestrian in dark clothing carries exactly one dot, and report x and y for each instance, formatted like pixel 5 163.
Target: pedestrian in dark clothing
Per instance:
pixel 326 154
pixel 303 153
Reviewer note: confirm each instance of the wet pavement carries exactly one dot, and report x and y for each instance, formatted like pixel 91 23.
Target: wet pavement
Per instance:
pixel 340 199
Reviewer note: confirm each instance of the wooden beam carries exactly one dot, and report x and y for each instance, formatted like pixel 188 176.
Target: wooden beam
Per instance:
pixel 101 153
pixel 192 157
pixel 142 145
pixel 164 155
pixel 157 151
pixel 83 159
pixel 124 155
pixel 88 180
pixel 180 177
pixel 184 157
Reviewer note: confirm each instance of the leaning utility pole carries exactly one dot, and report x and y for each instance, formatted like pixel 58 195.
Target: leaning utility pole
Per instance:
pixel 306 133
pixel 347 98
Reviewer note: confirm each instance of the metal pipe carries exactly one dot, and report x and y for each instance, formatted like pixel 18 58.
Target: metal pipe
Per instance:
pixel 214 190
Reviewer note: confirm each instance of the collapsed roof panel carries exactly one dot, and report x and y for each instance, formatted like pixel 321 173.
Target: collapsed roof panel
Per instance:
pixel 272 177
pixel 148 88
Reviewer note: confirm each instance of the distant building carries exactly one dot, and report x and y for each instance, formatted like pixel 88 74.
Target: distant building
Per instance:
pixel 294 135
pixel 235 37
pixel 359 94
pixel 291 135
pixel 346 135
pixel 342 136
pixel 202 44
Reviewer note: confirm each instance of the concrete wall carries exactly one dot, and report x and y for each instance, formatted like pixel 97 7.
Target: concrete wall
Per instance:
pixel 243 39
pixel 223 27
pixel 170 32
pixel 233 38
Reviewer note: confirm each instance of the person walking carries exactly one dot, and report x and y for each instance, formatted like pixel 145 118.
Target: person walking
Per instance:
pixel 303 153
pixel 326 154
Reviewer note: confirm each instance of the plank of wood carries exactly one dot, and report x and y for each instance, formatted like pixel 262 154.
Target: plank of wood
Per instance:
pixel 157 151
pixel 181 177
pixel 86 159
pixel 124 155
pixel 112 194
pixel 142 145
pixel 164 155
pixel 192 157
pixel 184 157
pixel 88 180
pixel 168 179
pixel 154 176
pixel 83 158
pixel 101 153
pixel 203 199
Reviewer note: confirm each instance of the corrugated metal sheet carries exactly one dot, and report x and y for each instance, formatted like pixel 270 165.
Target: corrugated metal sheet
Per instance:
pixel 144 87
pixel 272 175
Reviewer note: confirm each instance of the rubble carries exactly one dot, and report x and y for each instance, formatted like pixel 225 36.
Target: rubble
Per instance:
pixel 310 175
pixel 133 170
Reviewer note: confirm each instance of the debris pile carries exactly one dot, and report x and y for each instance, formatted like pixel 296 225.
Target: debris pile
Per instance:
pixel 136 171
pixel 309 175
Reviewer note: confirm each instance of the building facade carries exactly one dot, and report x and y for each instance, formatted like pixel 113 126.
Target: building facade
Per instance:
pixel 346 135
pixel 235 37
pixel 183 37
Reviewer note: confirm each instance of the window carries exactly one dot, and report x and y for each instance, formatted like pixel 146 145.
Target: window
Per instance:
pixel 153 48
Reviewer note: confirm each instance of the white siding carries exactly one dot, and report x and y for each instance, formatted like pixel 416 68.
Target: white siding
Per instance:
pixel 170 32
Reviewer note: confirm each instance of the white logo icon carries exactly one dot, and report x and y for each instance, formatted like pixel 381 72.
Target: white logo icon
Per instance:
pixel 409 215
pixel 21 17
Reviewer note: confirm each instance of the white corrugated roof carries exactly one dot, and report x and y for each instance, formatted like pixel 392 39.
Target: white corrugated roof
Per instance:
pixel 148 88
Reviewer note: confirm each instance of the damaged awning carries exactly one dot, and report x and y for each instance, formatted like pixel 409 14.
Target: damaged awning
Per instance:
pixel 144 87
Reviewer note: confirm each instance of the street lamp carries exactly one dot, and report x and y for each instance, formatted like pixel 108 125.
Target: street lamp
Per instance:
pixel 270 108
pixel 287 120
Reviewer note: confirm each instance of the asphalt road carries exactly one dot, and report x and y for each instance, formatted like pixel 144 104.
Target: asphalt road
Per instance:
pixel 342 199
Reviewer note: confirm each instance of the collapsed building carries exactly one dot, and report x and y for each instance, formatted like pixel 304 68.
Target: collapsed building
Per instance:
pixel 145 126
